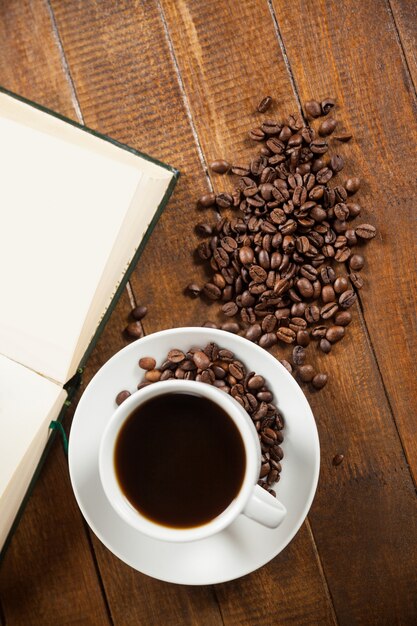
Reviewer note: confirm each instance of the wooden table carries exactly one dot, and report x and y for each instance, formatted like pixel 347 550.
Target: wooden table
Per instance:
pixel 180 79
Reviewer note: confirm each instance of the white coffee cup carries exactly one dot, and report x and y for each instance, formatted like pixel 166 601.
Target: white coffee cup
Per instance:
pixel 252 500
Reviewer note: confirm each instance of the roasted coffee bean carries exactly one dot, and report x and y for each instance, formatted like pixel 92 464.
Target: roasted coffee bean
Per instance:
pixel 224 200
pixel 347 298
pixel 193 289
pixel 122 396
pixel 139 312
pixel 287 335
pixel 207 200
pixel 312 313
pixel 176 356
pixel 256 134
pixel 343 137
pixel 337 163
pixel 354 209
pixel 342 254
pixel 319 381
pixel 220 166
pixel 264 104
pixel 365 231
pixel 327 127
pixel 356 280
pixel 343 318
pixel 328 310
pixel 303 338
pixel 338 459
pixel 319 146
pixel 211 291
pixel 341 210
pixel 356 262
pixel 152 376
pixel 257 273
pixel 341 284
pixel 230 309
pixel 325 346
pixel 312 108
pixel 328 294
pixel 134 330
pixel 256 382
pixel 306 373
pixel 271 127
pixel 268 340
pixel 201 359
pixel 269 323
pixel 298 355
pixel 335 333
pixel 147 363
pixel 287 365
pixel 305 287
pixel 319 332
pixel 204 251
pixel 326 105
pixel 352 184
pixel 327 275
pixel 253 332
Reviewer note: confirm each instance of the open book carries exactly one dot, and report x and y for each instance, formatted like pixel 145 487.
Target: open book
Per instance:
pixel 75 209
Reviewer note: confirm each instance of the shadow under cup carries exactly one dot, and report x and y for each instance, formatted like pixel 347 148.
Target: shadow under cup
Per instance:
pixel 179 460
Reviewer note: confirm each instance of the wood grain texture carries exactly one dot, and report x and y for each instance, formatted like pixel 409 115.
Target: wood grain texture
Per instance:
pixel 48 574
pixel 353 414
pixel 166 264
pixel 405 16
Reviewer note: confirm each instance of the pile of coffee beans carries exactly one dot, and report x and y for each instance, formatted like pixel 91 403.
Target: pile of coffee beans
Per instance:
pixel 281 259
pixel 220 367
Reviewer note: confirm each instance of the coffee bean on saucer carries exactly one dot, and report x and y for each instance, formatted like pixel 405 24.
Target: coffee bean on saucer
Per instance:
pixel 147 363
pixel 122 396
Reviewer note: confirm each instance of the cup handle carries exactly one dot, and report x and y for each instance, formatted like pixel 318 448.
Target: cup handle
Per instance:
pixel 264 508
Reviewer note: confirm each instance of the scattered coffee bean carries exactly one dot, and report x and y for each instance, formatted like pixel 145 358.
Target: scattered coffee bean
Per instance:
pixel 319 381
pixel 341 284
pixel 356 280
pixel 365 231
pixel 193 289
pixel 335 333
pixel 139 312
pixel 220 166
pixel 327 126
pixel 356 262
pixel 352 184
pixel 312 108
pixel 343 137
pixel 327 104
pixel 207 200
pixel 264 104
pixel 122 396
pixel 134 330
pixel 338 459
pixel 147 363
pixel 306 373
pixel 325 346
pixel 343 318
pixel 298 355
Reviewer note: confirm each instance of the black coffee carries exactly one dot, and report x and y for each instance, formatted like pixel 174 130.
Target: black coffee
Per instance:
pixel 180 460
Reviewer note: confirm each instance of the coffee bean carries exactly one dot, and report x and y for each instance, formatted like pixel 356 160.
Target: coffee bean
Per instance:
pixel 253 332
pixel 269 323
pixel 356 280
pixel 319 332
pixel 326 105
pixel 342 254
pixel 147 363
pixel 176 356
pixel 328 310
pixel 327 127
pixel 319 381
pixel 256 382
pixel 264 104
pixel 337 163
pixel 193 289
pixel 356 262
pixel 211 291
pixel 325 346
pixel 343 137
pixel 268 340
pixel 347 299
pixel 201 360
pixel 207 200
pixel 287 365
pixel 327 275
pixel 319 146
pixel 286 335
pixel 305 287
pixel 365 231
pixel 134 330
pixel 298 355
pixel 139 312
pixel 352 184
pixel 224 200
pixel 271 127
pixel 122 396
pixel 328 294
pixel 341 284
pixel 306 373
pixel 256 134
pixel 303 338
pixel 312 108
pixel 220 166
pixel 230 309
pixel 257 273
pixel 152 376
pixel 343 318
pixel 338 459
pixel 335 333
pixel 209 324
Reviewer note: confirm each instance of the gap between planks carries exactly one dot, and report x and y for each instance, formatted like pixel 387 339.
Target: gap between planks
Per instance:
pixel 401 46
pixel 359 306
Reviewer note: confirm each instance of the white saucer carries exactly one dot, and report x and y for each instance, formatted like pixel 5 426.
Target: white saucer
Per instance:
pixel 245 545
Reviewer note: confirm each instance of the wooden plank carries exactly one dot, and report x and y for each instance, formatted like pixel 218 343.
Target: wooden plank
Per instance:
pixel 48 574
pixel 136 69
pixel 405 16
pixel 352 412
